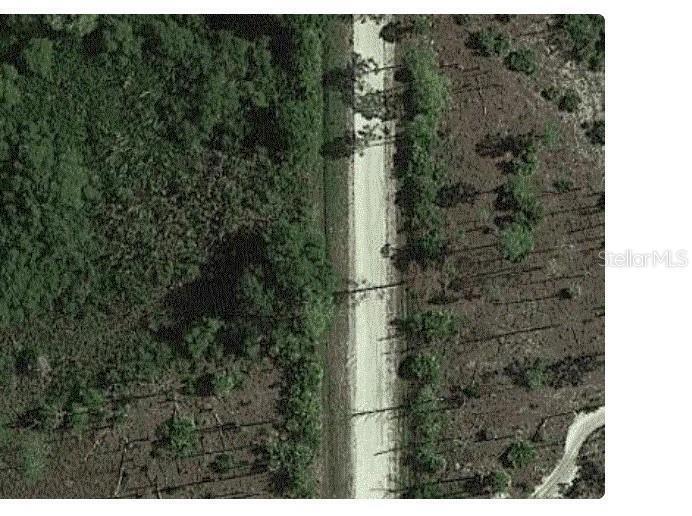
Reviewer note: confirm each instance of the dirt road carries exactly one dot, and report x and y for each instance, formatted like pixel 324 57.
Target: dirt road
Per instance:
pixel 565 471
pixel 372 366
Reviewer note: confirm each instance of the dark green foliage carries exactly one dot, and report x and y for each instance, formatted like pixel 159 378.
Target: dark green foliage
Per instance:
pixel 516 242
pixel 428 89
pixel 427 459
pixel 423 368
pixel 423 491
pixel 564 183
pixel 531 374
pixel 179 436
pixel 522 196
pixel 489 42
pixel 472 391
pixel 78 25
pixel 497 482
pixel 522 60
pixel 290 463
pixel 201 337
pixel 91 138
pixel 520 454
pixel 586 36
pixel 429 326
pixel 131 148
pixel 596 132
pixel 569 102
pixel 551 134
pixel 222 464
pixel 550 93
pixel 32 457
pixel 84 406
pixel 420 176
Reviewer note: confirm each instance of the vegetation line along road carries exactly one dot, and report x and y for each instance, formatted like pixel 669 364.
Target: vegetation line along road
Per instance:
pixel 373 374
pixel 583 426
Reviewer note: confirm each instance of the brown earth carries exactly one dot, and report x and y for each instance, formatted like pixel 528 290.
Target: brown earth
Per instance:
pixel 125 460
pixel 515 312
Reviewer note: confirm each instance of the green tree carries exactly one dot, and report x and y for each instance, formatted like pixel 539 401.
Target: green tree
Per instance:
pixel 522 60
pixel 517 242
pixel 520 454
pixel 489 42
pixel 431 325
pixel 179 435
pixel 569 102
pixel 37 57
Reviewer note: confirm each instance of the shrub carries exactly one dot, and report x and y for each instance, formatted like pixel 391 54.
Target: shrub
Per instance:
pixel 520 454
pixel 563 183
pixel 472 391
pixel 516 241
pixel 596 132
pixel 178 435
pixel 586 33
pixel 569 102
pixel 421 367
pixel 428 89
pixel 431 325
pixel 522 60
pixel 521 192
pixel 551 134
pixel 222 464
pixel 498 482
pixel 201 337
pixel 37 57
pixel 423 491
pixel 32 457
pixel 75 24
pixel 489 42
pixel 426 459
pixel 550 93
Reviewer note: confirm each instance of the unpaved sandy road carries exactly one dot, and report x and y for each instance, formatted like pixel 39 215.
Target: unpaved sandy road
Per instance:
pixel 565 471
pixel 372 368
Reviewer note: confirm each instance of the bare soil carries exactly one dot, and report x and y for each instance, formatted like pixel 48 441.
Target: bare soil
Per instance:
pixel 517 312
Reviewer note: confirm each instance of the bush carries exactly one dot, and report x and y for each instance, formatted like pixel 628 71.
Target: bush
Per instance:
pixel 517 242
pixel 426 459
pixel 522 196
pixel 78 25
pixel 200 339
pixel 178 435
pixel 569 102
pixel 596 132
pixel 32 457
pixel 37 57
pixel 551 134
pixel 564 183
pixel 421 367
pixel 520 454
pixel 550 93
pixel 522 60
pixel 419 175
pixel 489 42
pixel 432 325
pixel 586 33
pixel 222 464
pixel 498 482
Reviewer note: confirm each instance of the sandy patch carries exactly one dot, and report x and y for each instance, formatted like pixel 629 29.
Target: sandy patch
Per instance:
pixel 566 470
pixel 372 368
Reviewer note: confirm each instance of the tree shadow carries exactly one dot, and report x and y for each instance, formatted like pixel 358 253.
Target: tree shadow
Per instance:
pixel 212 294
